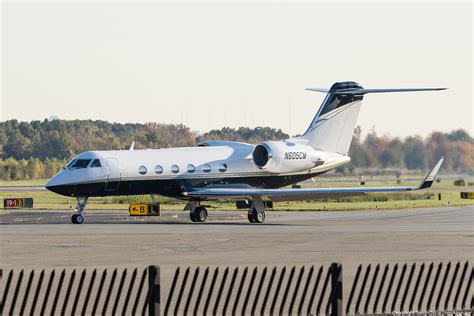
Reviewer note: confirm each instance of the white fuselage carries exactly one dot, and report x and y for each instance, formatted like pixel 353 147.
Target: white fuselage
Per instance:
pixel 170 171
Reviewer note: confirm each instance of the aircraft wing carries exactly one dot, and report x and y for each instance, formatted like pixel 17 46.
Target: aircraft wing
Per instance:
pixel 306 194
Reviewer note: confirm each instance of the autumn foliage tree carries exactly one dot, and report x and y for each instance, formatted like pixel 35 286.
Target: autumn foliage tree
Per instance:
pixel 38 149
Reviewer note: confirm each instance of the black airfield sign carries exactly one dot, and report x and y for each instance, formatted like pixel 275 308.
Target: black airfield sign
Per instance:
pixel 18 202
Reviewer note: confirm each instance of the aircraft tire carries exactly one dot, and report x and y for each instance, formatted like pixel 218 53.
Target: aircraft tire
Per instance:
pixel 192 216
pixel 201 214
pixel 77 219
pixel 251 215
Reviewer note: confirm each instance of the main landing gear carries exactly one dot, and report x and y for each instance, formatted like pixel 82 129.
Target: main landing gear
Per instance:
pixel 256 213
pixel 197 212
pixel 80 207
pixel 199 215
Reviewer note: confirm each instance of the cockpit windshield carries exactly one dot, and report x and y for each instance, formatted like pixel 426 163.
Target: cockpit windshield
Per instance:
pixel 70 164
pixel 80 164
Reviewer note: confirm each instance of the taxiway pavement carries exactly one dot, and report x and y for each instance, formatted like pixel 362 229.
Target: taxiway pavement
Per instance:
pixel 46 238
pixel 112 239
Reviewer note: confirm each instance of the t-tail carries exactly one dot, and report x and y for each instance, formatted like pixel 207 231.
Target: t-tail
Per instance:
pixel 333 126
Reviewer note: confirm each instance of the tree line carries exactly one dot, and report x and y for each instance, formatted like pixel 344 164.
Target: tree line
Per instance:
pixel 38 149
pixel 413 152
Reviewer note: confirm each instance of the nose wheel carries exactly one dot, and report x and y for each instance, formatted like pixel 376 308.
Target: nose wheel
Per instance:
pixel 80 207
pixel 77 219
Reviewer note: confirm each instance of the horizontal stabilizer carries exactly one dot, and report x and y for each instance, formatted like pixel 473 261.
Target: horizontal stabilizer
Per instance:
pixel 323 90
pixel 365 91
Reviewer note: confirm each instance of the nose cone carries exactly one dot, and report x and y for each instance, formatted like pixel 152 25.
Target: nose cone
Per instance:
pixel 67 190
pixel 59 184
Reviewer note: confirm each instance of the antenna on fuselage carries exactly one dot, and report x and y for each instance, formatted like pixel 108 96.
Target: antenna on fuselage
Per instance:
pixel 132 146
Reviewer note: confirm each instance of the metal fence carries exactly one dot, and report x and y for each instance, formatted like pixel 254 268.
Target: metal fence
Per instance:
pixel 404 288
pixel 264 291
pixel 69 292
pixel 299 290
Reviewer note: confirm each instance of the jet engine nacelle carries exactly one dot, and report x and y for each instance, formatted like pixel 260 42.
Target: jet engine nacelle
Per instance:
pixel 282 157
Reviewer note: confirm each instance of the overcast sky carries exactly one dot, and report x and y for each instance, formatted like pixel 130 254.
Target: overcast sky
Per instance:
pixel 210 65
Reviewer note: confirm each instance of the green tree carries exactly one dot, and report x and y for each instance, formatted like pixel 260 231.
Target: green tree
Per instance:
pixel 17 146
pixel 414 153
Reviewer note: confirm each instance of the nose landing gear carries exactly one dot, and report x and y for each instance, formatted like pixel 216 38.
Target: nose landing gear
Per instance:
pixel 80 207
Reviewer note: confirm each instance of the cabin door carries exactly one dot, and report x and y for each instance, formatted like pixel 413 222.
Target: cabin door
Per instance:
pixel 114 175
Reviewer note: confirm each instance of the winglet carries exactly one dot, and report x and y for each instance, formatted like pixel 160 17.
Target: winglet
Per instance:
pixel 132 146
pixel 428 181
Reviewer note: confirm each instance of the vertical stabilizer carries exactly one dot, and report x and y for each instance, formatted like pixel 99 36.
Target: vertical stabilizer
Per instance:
pixel 333 126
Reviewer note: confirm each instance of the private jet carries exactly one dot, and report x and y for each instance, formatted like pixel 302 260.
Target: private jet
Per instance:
pixel 227 170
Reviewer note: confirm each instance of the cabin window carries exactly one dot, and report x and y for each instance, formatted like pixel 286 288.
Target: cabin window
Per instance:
pixel 142 170
pixel 206 167
pixel 96 164
pixel 158 169
pixel 80 163
pixel 223 167
pixel 174 169
pixel 191 168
